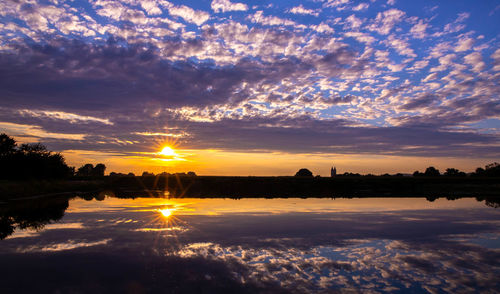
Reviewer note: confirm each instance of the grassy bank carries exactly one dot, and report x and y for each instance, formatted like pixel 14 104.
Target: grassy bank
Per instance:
pixel 250 187
pixel 20 189
pixel 261 187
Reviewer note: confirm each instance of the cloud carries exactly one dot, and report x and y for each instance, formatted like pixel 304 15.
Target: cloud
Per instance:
pixel 151 7
pixel 419 102
pixel 36 131
pixel 226 5
pixel 124 75
pixel 197 17
pixel 338 4
pixel 71 117
pixel 302 10
pixel 258 17
pixel 464 44
pixel 361 6
pixel 476 61
pixel 385 21
pixel 457 25
pixel 496 57
pixel 418 30
pixel 401 46
pixel 322 28
pixel 355 23
pixel 361 37
pixel 113 70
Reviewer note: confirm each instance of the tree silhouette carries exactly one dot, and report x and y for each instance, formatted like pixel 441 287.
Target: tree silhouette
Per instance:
pixel 304 172
pixel 85 170
pixel 453 172
pixel 98 170
pixel 431 172
pixel 490 170
pixel 88 170
pixel 34 148
pixel 7 145
pixel 30 161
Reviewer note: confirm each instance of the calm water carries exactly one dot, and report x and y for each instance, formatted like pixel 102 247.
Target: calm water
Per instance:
pixel 145 245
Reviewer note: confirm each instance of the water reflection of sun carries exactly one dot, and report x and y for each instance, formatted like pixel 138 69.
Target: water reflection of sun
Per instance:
pixel 166 221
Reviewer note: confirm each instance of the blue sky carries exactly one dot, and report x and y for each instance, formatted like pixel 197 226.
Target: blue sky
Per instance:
pixel 395 78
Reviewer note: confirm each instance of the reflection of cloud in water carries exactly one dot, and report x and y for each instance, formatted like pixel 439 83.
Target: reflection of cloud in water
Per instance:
pixel 55 226
pixel 383 265
pixel 69 245
pixel 178 229
pixel 265 248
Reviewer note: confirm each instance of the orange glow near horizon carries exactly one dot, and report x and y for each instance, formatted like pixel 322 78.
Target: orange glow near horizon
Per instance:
pixel 227 163
pixel 167 155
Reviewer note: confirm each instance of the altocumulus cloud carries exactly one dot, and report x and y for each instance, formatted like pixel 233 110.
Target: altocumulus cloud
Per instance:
pixel 344 77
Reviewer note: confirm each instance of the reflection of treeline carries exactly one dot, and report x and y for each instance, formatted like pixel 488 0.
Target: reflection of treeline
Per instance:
pixel 489 201
pixel 34 161
pixel 33 214
pixel 363 186
pixel 148 174
pixel 36 213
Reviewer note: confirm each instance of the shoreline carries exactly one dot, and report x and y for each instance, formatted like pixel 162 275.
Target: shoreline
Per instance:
pixel 256 187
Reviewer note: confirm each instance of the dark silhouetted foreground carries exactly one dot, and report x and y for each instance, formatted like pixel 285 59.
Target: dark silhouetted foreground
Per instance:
pixel 341 186
pixel 30 161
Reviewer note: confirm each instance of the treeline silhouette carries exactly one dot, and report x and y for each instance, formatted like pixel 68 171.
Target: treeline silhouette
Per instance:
pixel 303 187
pixel 490 170
pixel 34 161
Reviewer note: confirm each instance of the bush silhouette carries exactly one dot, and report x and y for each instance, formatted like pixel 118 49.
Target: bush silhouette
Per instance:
pixel 453 172
pixel 432 172
pixel 304 172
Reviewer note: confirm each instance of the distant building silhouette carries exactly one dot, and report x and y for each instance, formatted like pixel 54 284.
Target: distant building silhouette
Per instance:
pixel 333 172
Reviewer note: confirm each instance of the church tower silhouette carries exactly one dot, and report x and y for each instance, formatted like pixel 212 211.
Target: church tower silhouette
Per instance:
pixel 333 171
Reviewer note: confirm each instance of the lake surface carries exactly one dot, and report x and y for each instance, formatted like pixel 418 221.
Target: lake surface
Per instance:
pixel 106 244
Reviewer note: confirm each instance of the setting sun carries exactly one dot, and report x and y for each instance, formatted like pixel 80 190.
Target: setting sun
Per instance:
pixel 166 212
pixel 168 151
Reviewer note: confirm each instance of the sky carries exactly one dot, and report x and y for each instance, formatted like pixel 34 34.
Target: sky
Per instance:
pixel 254 88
